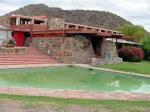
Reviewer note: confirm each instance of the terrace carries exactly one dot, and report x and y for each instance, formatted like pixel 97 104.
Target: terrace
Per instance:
pixel 26 23
pixel 73 29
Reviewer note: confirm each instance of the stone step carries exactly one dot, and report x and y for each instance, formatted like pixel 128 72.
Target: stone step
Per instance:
pixel 22 60
pixel 29 56
pixel 32 56
pixel 25 63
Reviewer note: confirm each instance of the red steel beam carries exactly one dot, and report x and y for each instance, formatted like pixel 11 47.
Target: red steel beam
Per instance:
pixel 63 32
pixel 79 31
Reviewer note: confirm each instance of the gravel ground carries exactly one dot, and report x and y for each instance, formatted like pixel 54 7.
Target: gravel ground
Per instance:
pixel 18 106
pixel 22 106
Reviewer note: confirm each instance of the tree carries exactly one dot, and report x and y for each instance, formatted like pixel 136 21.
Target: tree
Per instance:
pixel 146 47
pixel 138 33
pixel 146 43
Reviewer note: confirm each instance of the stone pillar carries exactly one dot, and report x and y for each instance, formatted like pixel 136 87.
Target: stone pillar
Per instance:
pixel 67 26
pixel 109 49
pixel 103 48
pixel 45 22
pixel 18 21
pixel 76 27
pixel 32 21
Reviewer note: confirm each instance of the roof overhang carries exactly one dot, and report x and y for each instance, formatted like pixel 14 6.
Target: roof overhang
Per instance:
pixel 123 41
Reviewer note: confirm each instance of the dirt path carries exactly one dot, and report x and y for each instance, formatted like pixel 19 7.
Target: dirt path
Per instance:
pixel 73 94
pixel 19 106
pixel 9 105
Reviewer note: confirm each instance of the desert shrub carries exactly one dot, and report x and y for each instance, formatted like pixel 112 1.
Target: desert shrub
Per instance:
pixel 131 54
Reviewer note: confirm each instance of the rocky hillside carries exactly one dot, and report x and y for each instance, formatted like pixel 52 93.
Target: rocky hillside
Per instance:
pixel 86 17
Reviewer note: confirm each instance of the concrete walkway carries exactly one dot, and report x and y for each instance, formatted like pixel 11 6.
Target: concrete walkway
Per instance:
pixel 73 94
pixel 76 65
pixel 111 70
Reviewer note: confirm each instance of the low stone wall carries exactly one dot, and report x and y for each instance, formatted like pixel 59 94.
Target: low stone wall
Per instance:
pixel 67 50
pixel 102 61
pixel 13 50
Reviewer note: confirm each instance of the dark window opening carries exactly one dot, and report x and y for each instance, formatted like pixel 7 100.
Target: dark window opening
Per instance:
pixel 13 21
pixel 96 43
pixel 27 37
pixel 38 22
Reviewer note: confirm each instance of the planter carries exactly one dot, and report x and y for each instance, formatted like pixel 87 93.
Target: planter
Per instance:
pixel 10 45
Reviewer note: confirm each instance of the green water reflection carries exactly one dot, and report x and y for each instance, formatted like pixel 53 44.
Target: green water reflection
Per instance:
pixel 70 78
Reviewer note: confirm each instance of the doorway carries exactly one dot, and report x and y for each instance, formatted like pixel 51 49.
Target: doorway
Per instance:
pixel 27 37
pixel 96 44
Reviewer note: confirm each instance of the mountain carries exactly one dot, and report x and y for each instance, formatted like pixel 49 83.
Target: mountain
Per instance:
pixel 87 17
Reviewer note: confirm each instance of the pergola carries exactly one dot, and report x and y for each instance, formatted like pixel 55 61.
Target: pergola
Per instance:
pixel 73 29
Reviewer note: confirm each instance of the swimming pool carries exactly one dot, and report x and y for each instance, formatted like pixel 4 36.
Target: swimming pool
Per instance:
pixel 74 78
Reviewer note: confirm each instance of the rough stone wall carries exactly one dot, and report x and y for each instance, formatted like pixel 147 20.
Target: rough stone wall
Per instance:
pixel 50 46
pixel 55 23
pixel 103 61
pixel 5 21
pixel 109 54
pixel 109 49
pixel 76 50
pixel 13 50
pixel 67 50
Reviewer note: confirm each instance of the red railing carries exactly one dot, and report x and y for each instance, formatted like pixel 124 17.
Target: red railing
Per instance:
pixel 37 27
pixel 29 27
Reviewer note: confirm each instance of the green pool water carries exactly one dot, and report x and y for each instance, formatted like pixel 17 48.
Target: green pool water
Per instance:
pixel 73 78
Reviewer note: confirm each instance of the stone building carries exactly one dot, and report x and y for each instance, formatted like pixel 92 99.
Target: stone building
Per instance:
pixel 66 42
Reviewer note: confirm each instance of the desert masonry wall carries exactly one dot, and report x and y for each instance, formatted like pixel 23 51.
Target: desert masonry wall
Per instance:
pixel 67 50
pixel 109 54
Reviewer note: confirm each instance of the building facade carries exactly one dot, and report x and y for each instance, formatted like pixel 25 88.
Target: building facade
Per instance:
pixel 66 42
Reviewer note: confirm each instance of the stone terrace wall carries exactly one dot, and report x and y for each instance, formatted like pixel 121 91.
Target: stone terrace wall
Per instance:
pixel 55 23
pixel 67 50
pixel 13 50
pixel 5 21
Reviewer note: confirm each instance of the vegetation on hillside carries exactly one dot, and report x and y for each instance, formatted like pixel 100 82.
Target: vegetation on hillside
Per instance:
pixel 134 32
pixel 137 34
pixel 146 47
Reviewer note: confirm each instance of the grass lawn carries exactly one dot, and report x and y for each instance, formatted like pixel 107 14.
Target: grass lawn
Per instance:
pixel 141 67
pixel 73 78
pixel 39 104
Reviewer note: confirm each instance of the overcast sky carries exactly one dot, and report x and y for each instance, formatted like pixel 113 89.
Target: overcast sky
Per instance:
pixel 136 11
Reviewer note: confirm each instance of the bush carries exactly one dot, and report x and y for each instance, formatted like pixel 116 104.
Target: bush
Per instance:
pixel 131 54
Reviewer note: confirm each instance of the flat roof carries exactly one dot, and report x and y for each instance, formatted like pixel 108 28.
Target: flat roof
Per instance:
pixel 40 18
pixel 123 41
pixel 92 27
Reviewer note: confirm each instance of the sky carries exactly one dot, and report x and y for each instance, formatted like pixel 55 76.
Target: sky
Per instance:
pixel 135 11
